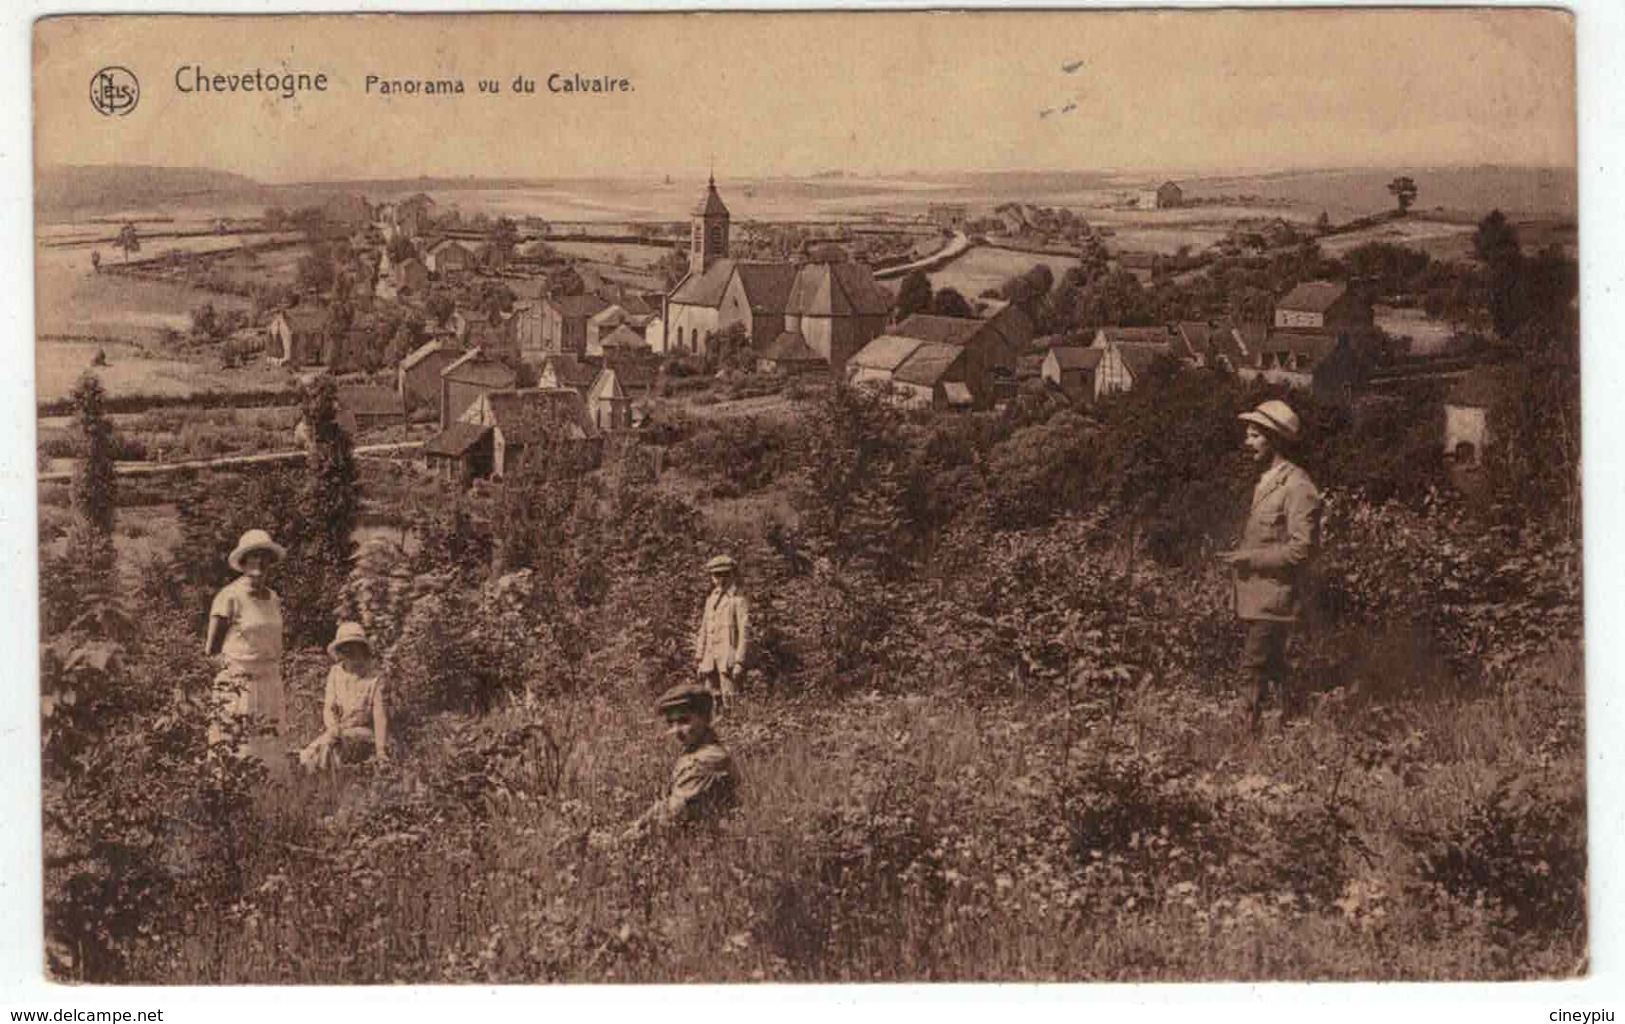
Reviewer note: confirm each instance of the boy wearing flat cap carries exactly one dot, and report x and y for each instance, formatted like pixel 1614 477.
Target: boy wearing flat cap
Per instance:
pixel 723 641
pixel 1280 537
pixel 703 785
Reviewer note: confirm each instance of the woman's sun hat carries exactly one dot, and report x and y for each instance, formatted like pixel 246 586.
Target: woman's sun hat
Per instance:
pixel 349 633
pixel 255 540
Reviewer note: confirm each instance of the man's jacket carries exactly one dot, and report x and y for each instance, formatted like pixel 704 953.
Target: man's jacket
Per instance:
pixel 1280 537
pixel 722 641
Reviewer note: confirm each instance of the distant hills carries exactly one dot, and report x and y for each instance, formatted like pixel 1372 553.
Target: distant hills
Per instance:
pixel 68 189
pixel 65 191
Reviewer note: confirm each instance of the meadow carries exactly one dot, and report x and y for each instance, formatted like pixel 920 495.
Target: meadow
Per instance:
pixel 985 267
pixel 137 369
pixel 977 744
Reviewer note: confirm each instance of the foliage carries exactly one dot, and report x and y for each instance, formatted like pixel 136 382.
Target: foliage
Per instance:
pixel 913 295
pixel 948 302
pixel 328 504
pixel 94 484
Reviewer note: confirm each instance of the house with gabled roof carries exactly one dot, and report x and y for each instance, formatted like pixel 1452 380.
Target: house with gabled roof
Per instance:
pixel 608 405
pixel 417 379
pixel 521 420
pixel 461 453
pixel 1072 368
pixel 564 322
pixel 296 336
pixel 989 351
pixel 790 355
pixel 920 374
pixel 448 256
pixel 468 378
pixel 1128 353
pixel 623 340
pixel 563 370
pixel 1324 306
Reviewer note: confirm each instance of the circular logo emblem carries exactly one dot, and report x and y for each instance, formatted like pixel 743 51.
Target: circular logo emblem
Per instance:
pixel 114 91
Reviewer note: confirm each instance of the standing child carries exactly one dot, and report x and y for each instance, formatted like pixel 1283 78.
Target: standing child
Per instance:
pixel 353 710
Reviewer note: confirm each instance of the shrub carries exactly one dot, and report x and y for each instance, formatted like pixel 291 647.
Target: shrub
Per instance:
pixel 1519 854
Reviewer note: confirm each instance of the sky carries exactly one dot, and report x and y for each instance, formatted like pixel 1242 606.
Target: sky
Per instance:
pixel 792 94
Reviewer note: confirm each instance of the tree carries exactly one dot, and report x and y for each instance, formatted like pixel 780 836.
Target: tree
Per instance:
pixel 1323 223
pixel 948 302
pixel 93 483
pixel 322 546
pixel 207 326
pixel 128 240
pixel 1404 190
pixel 401 249
pixel 276 218
pixel 315 270
pixel 440 306
pixel 914 295
pixel 568 282
pixel 96 260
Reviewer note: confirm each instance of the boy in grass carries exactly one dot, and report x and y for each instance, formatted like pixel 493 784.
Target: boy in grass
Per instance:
pixel 703 786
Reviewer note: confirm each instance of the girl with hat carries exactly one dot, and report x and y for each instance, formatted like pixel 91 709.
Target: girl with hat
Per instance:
pixel 353 706
pixel 245 630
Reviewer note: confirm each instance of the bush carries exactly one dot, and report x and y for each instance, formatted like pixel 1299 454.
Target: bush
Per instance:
pixel 1520 855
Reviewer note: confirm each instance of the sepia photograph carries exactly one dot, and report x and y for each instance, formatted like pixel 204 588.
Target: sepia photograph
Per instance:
pixel 809 497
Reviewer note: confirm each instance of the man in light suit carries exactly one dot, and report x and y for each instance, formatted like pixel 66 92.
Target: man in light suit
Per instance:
pixel 723 641
pixel 1280 537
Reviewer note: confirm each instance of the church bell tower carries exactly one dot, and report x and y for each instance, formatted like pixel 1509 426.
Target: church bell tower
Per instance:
pixel 709 241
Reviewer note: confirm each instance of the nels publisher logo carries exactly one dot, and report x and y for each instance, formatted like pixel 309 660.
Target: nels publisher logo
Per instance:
pixel 114 91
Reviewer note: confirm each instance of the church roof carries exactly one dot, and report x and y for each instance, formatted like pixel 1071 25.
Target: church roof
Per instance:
pixel 837 289
pixel 767 285
pixel 705 289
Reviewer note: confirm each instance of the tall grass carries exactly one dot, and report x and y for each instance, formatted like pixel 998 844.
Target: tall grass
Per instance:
pixel 906 838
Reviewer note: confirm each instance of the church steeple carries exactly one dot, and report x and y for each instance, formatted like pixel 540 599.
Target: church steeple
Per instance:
pixel 709 241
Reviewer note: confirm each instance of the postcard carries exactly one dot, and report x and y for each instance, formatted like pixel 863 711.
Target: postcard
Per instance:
pixel 1064 496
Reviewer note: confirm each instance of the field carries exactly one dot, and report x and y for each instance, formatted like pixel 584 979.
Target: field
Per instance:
pixel 985 267
pixel 635 256
pixel 1427 335
pixel 1443 240
pixel 137 370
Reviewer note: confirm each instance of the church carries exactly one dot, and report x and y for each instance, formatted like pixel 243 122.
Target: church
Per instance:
pixel 833 307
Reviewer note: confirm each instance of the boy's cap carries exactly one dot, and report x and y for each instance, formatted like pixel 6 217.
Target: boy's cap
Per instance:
pixel 685 697
pixel 721 563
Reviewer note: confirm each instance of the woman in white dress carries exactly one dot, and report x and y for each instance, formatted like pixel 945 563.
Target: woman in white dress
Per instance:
pixel 245 630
